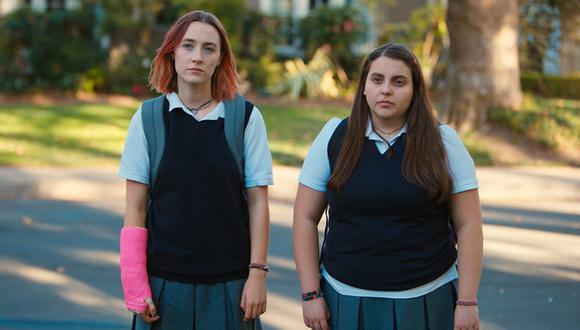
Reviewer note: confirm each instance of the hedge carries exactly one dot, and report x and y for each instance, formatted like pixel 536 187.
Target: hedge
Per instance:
pixel 551 86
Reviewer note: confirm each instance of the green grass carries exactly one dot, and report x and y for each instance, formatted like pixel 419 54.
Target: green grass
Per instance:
pixel 291 130
pixel 92 135
pixel 482 156
pixel 554 123
pixel 62 135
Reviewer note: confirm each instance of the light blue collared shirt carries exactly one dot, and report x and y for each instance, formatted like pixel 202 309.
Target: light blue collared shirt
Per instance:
pixel 316 172
pixel 316 168
pixel 258 158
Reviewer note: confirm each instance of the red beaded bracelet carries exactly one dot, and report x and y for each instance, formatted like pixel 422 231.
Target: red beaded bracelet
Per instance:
pixel 467 302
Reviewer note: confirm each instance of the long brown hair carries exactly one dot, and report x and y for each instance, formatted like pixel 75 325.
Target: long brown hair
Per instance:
pixel 163 78
pixel 425 160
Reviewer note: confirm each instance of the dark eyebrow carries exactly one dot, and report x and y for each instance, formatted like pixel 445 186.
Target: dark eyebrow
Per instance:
pixel 377 75
pixel 399 77
pixel 193 41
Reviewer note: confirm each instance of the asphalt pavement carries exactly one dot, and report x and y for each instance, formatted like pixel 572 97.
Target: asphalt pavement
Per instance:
pixel 59 249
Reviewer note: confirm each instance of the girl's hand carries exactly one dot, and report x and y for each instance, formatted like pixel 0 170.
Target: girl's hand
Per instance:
pixel 254 295
pixel 316 314
pixel 150 314
pixel 466 318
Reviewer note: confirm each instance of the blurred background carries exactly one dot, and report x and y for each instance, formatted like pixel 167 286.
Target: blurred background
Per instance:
pixel 511 67
pixel 505 74
pixel 507 66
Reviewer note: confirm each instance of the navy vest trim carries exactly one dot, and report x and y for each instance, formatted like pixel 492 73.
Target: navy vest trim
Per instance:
pixel 384 234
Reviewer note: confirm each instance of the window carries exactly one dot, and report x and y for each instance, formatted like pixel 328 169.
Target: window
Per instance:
pixel 55 4
pixel 317 3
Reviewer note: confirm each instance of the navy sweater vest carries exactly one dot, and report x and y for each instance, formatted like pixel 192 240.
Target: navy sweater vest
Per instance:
pixel 198 217
pixel 384 234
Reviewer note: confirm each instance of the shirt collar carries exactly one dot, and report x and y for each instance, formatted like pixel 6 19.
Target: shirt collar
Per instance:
pixel 175 103
pixel 375 137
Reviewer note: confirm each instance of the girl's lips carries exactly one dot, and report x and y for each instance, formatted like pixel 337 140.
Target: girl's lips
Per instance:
pixel 385 102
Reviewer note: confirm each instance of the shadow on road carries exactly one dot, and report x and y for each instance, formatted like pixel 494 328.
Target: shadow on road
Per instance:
pixel 555 222
pixel 59 268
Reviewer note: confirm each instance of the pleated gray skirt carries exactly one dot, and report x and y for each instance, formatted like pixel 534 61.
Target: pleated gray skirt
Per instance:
pixel 197 306
pixel 433 311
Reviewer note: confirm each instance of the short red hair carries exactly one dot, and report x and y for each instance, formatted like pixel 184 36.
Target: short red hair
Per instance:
pixel 163 78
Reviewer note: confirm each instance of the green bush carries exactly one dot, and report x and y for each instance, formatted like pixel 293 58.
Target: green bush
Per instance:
pixel 339 27
pixel 229 12
pixel 551 86
pixel 131 74
pixel 51 50
pixel 260 34
pixel 425 32
pixel 554 123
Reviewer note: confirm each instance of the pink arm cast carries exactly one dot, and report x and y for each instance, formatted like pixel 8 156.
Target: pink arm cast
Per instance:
pixel 134 268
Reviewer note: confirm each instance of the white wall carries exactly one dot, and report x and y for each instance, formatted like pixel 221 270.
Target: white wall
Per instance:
pixel 39 5
pixel 301 8
pixel 6 6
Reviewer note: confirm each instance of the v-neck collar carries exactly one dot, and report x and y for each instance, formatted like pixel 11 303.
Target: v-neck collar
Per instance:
pixel 380 144
pixel 175 103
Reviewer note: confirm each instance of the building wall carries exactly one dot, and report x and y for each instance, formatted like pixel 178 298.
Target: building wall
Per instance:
pixel 400 11
pixel 297 8
pixel 7 6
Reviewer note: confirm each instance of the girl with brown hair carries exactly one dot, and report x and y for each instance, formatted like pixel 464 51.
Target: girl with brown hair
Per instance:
pixel 194 241
pixel 397 185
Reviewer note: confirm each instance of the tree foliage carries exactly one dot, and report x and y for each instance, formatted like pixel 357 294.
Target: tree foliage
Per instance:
pixel 47 50
pixel 338 27
pixel 537 27
pixel 425 33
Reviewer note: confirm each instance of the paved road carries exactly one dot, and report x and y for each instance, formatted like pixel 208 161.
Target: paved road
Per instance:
pixel 59 250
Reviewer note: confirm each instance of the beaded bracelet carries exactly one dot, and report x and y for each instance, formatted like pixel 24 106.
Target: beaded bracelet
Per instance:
pixel 311 295
pixel 467 302
pixel 263 267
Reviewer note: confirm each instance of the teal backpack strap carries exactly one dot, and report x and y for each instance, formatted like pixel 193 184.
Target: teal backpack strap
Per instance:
pixel 234 128
pixel 154 128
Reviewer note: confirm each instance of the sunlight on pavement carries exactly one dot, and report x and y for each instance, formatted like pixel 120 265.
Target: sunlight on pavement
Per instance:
pixel 283 313
pixel 282 263
pixel 531 252
pixel 68 288
pixel 35 224
pixel 530 219
pixel 281 214
pixel 103 257
pixel 32 273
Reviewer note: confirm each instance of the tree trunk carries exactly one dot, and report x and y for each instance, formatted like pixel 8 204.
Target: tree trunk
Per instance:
pixel 483 70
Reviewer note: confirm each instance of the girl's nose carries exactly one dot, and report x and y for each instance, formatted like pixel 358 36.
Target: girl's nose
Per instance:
pixel 386 89
pixel 196 55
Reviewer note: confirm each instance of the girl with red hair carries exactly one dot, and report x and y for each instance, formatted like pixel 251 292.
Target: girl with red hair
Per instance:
pixel 194 241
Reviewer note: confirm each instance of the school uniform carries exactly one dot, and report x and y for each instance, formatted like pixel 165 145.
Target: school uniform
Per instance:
pixel 198 247
pixel 388 261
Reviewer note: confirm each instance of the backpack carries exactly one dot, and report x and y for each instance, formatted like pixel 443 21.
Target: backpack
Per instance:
pixel 154 128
